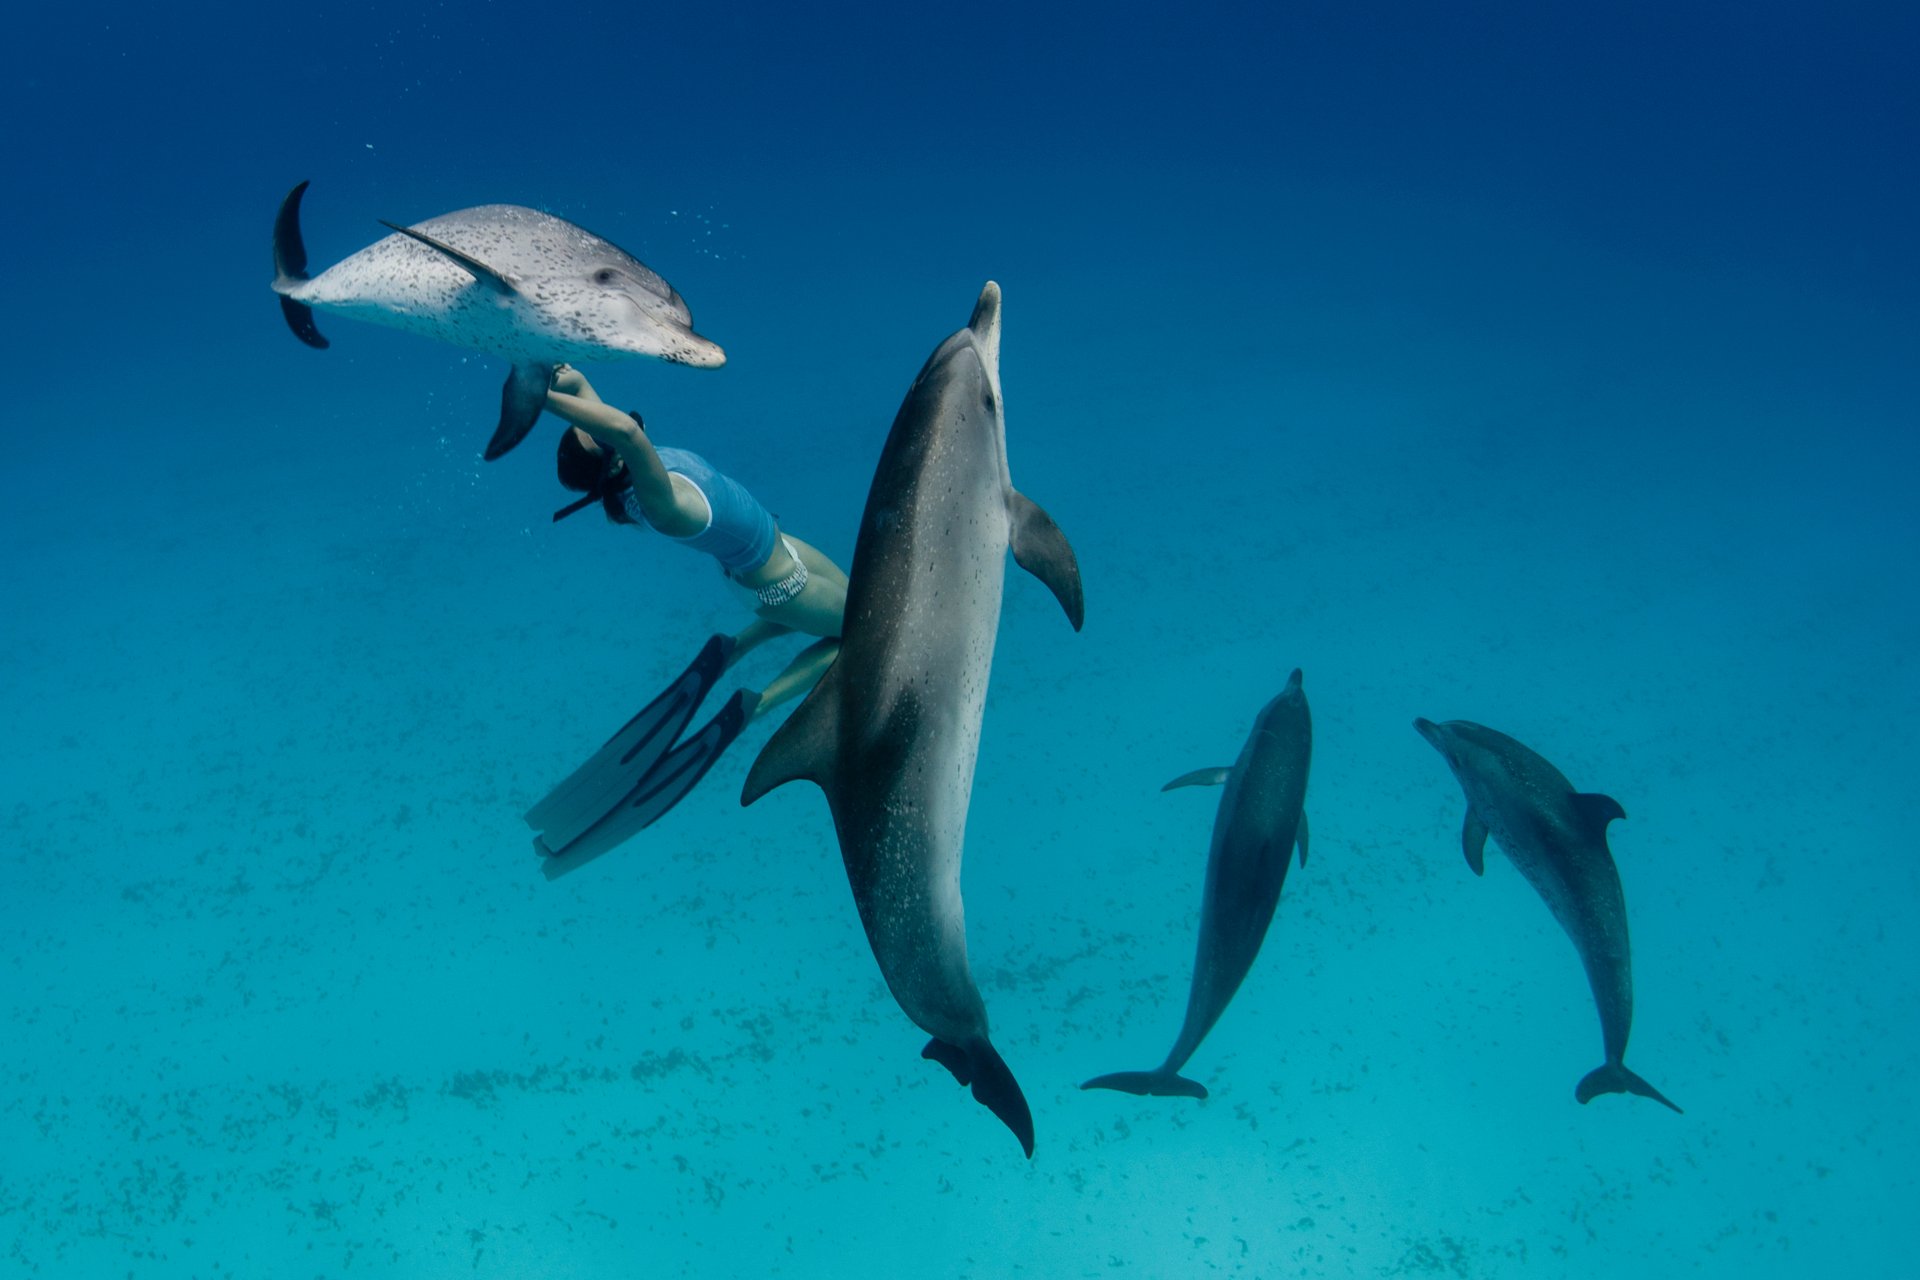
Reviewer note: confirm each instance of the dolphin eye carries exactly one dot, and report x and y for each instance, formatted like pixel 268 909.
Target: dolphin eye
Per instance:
pixel 605 275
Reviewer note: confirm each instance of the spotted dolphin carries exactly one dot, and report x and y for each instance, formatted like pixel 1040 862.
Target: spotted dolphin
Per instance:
pixel 499 278
pixel 1262 817
pixel 1557 837
pixel 892 731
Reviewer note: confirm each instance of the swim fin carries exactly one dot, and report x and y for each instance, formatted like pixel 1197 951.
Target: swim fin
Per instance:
pixel 664 786
pixel 590 792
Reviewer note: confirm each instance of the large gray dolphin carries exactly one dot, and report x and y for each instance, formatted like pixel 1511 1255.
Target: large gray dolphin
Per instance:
pixel 892 731
pixel 1557 837
pixel 1261 818
pixel 499 278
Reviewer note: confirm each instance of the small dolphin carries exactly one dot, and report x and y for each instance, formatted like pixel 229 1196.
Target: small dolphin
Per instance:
pixel 1260 820
pixel 1557 837
pixel 892 731
pixel 501 278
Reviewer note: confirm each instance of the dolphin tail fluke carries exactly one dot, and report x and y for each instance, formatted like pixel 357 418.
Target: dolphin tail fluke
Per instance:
pixel 1042 550
pixel 1149 1084
pixel 290 269
pixel 521 400
pixel 993 1084
pixel 1613 1077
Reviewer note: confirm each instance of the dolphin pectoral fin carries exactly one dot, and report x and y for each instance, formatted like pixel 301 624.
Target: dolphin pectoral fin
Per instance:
pixel 522 398
pixel 1598 810
pixel 1042 550
pixel 290 269
pixel 1214 777
pixel 1300 837
pixel 480 271
pixel 803 747
pixel 1149 1084
pixel 1613 1077
pixel 1473 838
pixel 993 1085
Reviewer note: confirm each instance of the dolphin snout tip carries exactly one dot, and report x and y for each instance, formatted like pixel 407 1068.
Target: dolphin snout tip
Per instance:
pixel 1426 728
pixel 707 355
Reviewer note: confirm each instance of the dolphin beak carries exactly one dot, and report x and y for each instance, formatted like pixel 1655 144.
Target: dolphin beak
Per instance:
pixel 705 354
pixel 986 326
pixel 1428 730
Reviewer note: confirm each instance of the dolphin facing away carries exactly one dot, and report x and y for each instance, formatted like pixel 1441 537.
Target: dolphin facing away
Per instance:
pixel 500 278
pixel 1260 820
pixel 1557 837
pixel 892 730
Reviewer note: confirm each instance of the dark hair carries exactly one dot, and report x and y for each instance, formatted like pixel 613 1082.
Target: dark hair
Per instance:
pixel 579 469
pixel 591 469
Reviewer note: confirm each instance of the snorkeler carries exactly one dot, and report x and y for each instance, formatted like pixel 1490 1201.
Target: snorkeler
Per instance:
pixel 646 768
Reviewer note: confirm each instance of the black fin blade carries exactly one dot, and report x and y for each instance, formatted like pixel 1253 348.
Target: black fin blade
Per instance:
pixel 664 786
pixel 590 792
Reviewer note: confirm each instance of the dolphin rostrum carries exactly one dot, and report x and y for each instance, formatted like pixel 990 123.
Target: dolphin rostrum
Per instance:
pixel 1260 821
pixel 501 278
pixel 892 731
pixel 1557 837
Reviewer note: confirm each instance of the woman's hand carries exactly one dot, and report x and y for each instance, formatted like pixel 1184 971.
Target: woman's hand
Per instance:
pixel 570 381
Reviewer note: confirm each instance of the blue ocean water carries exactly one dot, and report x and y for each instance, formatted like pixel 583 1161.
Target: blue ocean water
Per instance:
pixel 1545 366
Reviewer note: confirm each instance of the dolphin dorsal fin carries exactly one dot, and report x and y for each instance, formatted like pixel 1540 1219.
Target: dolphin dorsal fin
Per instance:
pixel 481 271
pixel 1213 777
pixel 1300 838
pixel 1597 810
pixel 1042 550
pixel 805 747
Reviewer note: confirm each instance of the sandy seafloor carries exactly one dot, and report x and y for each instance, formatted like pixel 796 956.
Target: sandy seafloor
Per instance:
pixel 285 994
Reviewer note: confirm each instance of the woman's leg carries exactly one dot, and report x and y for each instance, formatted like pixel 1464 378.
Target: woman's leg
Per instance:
pixel 801 674
pixel 752 636
pixel 821 607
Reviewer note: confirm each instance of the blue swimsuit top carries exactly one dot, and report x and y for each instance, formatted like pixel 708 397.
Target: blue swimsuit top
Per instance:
pixel 740 532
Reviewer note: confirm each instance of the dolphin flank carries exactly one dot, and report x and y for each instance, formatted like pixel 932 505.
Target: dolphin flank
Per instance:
pixel 1557 838
pixel 500 278
pixel 892 731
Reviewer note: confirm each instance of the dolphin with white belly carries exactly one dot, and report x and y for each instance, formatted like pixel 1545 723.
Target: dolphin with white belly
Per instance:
pixel 501 278
pixel 892 731
pixel 1261 820
pixel 1557 838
